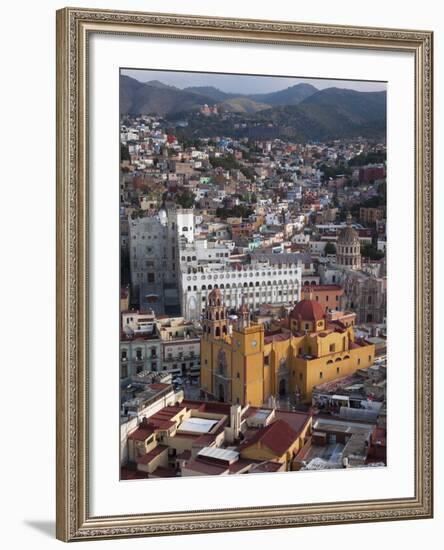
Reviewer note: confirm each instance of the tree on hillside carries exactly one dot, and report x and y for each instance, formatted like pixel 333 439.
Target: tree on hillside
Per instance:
pixel 186 199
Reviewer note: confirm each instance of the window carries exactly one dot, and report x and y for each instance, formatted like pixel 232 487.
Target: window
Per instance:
pixel 138 354
pixel 150 277
pixel 238 375
pixel 332 347
pixel 337 370
pixel 359 361
pixel 124 355
pixel 321 374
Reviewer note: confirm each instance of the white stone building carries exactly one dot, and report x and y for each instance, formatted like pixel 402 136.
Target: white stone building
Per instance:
pixel 273 280
pixel 139 354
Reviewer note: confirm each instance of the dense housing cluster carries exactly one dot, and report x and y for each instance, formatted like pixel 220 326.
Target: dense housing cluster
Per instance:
pixel 253 298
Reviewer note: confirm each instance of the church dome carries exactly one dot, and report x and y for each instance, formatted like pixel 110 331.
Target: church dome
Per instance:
pixel 348 236
pixel 307 310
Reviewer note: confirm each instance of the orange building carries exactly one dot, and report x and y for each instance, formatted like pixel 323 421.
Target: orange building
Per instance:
pixel 328 296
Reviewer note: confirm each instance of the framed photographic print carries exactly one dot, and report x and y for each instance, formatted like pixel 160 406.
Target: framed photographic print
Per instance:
pixel 244 274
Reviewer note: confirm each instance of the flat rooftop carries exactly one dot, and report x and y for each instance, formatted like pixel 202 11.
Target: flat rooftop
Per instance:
pixel 226 455
pixel 197 425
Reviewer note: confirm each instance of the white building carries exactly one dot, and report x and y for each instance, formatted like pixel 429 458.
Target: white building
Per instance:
pixel 169 266
pixel 274 280
pixel 141 354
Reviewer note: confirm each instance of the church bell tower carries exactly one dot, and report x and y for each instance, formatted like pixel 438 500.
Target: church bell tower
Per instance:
pixel 214 321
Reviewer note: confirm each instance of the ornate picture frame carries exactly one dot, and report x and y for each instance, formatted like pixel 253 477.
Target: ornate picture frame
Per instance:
pixel 74 27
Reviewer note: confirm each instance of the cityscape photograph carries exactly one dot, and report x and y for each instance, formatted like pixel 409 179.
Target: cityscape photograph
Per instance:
pixel 253 282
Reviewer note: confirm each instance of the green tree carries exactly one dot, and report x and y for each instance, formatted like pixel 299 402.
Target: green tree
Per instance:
pixel 330 248
pixel 370 251
pixel 186 199
pixel 227 163
pixel 238 211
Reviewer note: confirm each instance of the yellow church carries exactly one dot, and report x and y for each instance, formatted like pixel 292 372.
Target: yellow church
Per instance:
pixel 242 364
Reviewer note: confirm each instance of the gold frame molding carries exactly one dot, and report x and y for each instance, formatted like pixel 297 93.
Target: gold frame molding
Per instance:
pixel 73 28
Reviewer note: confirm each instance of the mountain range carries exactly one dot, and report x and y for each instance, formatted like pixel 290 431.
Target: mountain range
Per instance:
pixel 301 111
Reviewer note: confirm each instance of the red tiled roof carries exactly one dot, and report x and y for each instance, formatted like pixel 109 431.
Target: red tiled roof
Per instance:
pixel 379 436
pixel 184 455
pixel 207 406
pixel 308 310
pixel 141 433
pixel 277 436
pixel 277 337
pixel 161 471
pixel 206 468
pixel 162 419
pixel 126 473
pixel 240 464
pixel 295 419
pixel 162 424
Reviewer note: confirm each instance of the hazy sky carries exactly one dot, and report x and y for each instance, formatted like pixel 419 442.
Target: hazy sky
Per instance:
pixel 246 84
